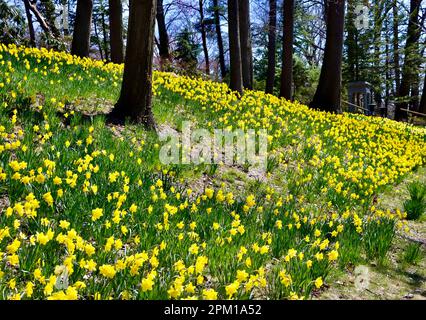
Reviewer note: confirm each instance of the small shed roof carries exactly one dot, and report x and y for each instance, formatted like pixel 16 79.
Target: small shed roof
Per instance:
pixel 359 84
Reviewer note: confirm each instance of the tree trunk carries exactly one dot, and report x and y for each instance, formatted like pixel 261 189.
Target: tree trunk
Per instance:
pixel 396 48
pixel 376 77
pixel 410 67
pixel 41 21
pixel 415 93
pixel 116 30
pixel 287 55
pixel 135 100
pixel 163 45
pixel 81 38
pixel 98 40
pixel 387 68
pixel 30 23
pixel 245 43
pixel 272 28
pixel 327 95
pixel 351 44
pixel 104 35
pixel 65 15
pixel 219 39
pixel 236 81
pixel 422 106
pixel 204 37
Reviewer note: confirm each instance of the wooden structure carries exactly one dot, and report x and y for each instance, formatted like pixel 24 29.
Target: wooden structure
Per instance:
pixel 360 93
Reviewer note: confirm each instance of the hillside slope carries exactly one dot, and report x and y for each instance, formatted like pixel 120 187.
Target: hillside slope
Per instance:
pixel 88 211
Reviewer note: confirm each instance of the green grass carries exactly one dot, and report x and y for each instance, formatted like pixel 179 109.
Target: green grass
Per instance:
pixel 416 205
pixel 312 210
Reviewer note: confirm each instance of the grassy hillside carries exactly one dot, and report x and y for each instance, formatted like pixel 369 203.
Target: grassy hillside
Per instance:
pixel 88 211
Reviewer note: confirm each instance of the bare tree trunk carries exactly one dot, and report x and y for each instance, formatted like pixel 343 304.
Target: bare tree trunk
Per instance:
pixel 409 69
pixel 163 45
pixel 81 38
pixel 396 48
pixel 135 100
pixel 327 95
pixel 98 40
pixel 104 35
pixel 236 81
pixel 422 106
pixel 376 77
pixel 219 39
pixel 272 32
pixel 387 67
pixel 415 92
pixel 287 55
pixel 41 21
pixel 49 10
pixel 30 23
pixel 116 30
pixel 245 43
pixel 65 14
pixel 204 37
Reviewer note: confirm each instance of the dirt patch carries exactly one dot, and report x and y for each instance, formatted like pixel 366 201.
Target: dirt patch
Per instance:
pixel 4 202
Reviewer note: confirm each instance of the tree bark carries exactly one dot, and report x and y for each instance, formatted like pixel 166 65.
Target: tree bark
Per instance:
pixel 104 35
pixel 81 37
pixel 42 22
pixel 116 30
pixel 245 43
pixel 204 37
pixel 236 81
pixel 327 95
pixel 98 40
pixel 163 44
pixel 387 67
pixel 415 92
pixel 422 106
pixel 272 31
pixel 376 77
pixel 30 23
pixel 287 55
pixel 135 100
pixel 219 39
pixel 410 67
pixel 65 15
pixel 396 48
